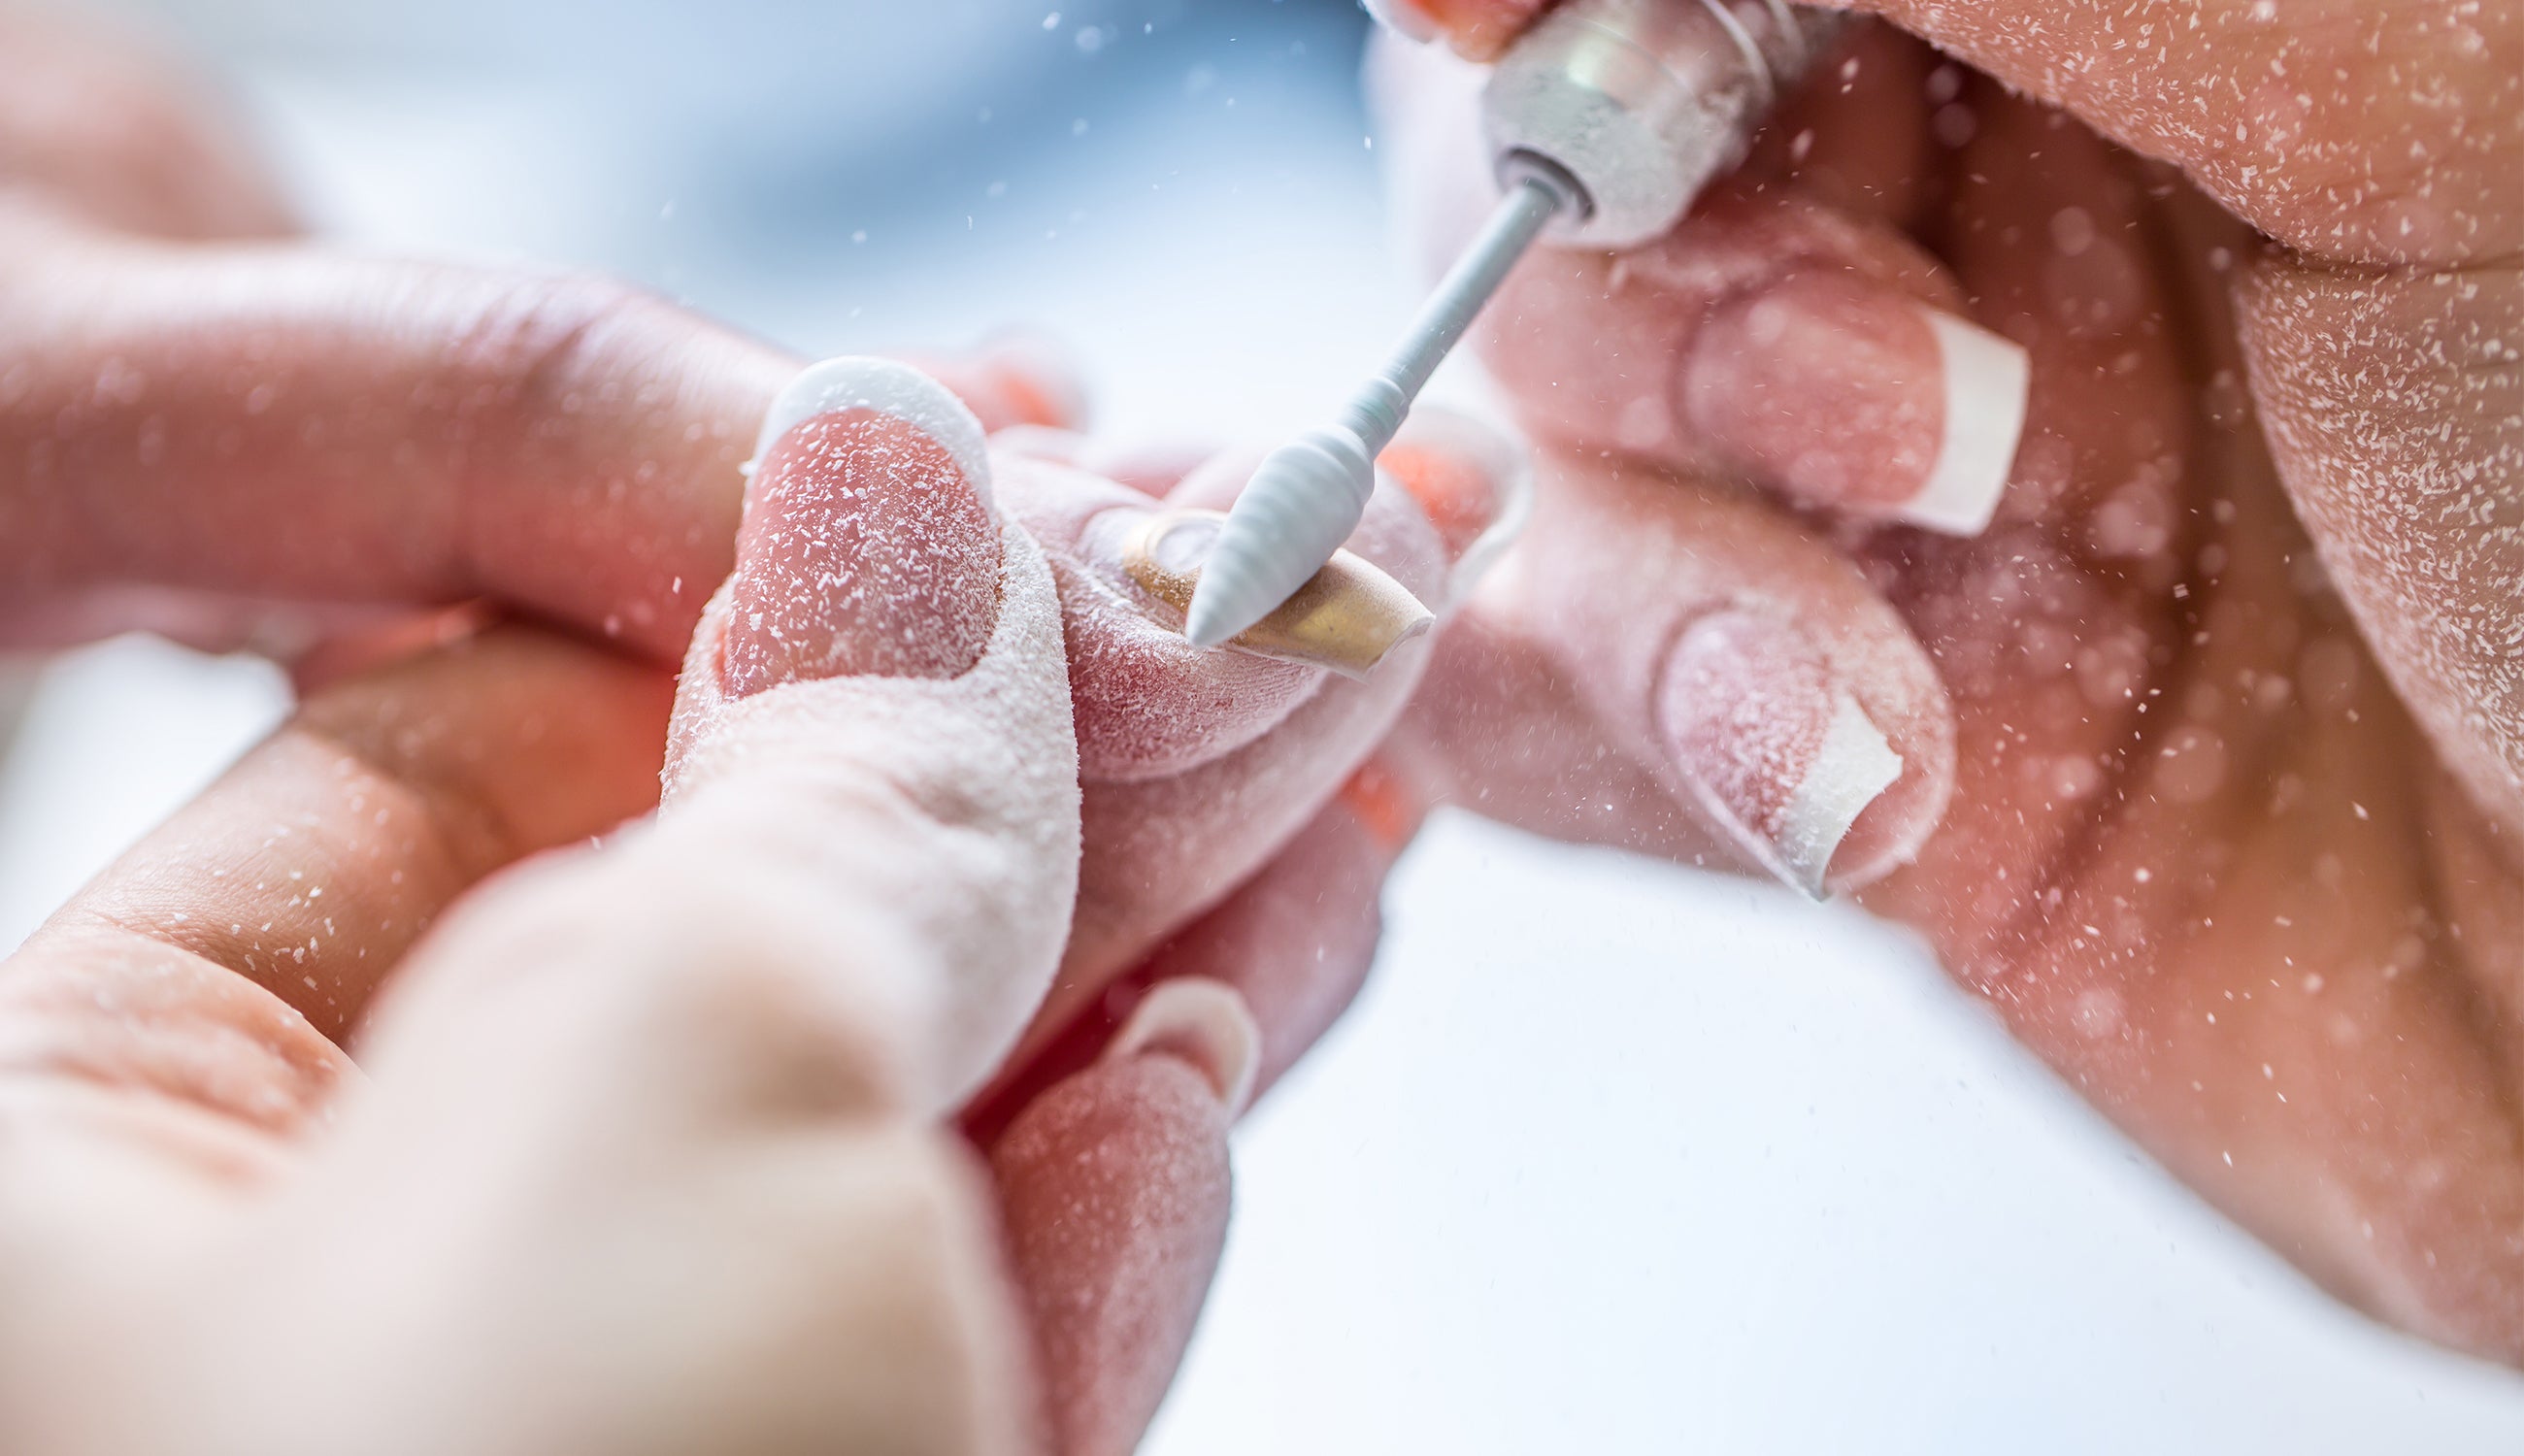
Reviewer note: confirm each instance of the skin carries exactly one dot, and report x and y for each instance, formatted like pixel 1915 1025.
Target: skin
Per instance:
pixel 225 1142
pixel 415 1034
pixel 2238 761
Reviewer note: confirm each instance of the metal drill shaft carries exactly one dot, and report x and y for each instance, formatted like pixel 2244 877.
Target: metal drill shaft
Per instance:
pixel 1307 496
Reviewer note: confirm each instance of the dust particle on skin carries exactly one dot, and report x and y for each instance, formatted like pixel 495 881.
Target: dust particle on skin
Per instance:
pixel 2190 767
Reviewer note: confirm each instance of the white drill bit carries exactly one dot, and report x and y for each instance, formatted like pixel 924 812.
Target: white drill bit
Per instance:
pixel 1306 497
pixel 1606 120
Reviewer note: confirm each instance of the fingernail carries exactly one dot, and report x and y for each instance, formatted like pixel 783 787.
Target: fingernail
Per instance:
pixel 1849 396
pixel 1203 1022
pixel 1778 750
pixel 1012 381
pixel 1384 803
pixel 869 545
pixel 1347 619
pixel 1404 17
pixel 1473 483
pixel 1037 379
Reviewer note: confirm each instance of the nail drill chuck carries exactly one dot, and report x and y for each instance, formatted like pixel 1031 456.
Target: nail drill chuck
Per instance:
pixel 1605 120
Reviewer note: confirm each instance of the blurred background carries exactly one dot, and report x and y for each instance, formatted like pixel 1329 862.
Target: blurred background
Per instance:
pixel 1610 1159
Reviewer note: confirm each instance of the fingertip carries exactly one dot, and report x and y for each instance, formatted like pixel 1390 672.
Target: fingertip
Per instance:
pixel 885 386
pixel 1114 1189
pixel 1404 17
pixel 1828 768
pixel 1479 29
pixel 1849 394
pixel 1206 1024
pixel 1987 384
pixel 870 543
pixel 1018 380
pixel 1473 480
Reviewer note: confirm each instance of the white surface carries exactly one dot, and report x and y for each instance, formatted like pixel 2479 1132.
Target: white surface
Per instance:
pixel 1611 1158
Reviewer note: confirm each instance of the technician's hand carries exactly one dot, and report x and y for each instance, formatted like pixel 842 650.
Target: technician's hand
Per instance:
pixel 2224 823
pixel 641 1150
pixel 212 428
pixel 237 438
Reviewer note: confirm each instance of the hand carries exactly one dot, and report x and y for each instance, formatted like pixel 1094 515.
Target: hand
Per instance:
pixel 262 441
pixel 2224 821
pixel 648 1131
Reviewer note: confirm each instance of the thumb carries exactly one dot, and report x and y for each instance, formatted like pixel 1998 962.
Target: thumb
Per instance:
pixel 2394 405
pixel 2384 132
pixel 871 813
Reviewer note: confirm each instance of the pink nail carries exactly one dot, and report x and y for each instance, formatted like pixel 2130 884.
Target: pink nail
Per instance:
pixel 1203 1022
pixel 1849 396
pixel 869 546
pixel 1779 751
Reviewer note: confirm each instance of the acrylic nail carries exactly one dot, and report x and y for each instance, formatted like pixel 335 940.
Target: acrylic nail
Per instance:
pixel 1346 620
pixel 1474 484
pixel 1849 396
pixel 1779 751
pixel 870 546
pixel 1404 17
pixel 1203 1022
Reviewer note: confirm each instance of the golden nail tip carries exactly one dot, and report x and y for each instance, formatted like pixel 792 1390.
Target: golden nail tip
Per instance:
pixel 1346 620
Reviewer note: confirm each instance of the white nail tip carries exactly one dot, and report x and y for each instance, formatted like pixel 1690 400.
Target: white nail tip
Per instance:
pixel 889 387
pixel 1208 1015
pixel 1854 765
pixel 1986 380
pixel 1404 17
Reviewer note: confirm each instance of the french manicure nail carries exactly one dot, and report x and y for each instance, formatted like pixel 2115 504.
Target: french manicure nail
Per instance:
pixel 869 546
pixel 1849 396
pixel 1347 619
pixel 1778 750
pixel 1404 17
pixel 1203 1022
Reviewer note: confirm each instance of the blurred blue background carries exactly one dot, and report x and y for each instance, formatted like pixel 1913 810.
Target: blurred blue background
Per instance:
pixel 1611 1158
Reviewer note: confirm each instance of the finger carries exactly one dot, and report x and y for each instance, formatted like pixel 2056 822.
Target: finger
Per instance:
pixel 97 115
pixel 2386 133
pixel 856 891
pixel 218 965
pixel 1743 669
pixel 1478 28
pixel 2050 630
pixel 1112 1176
pixel 1870 133
pixel 1162 846
pixel 280 423
pixel 2400 450
pixel 1294 941
pixel 283 424
pixel 1014 381
pixel 861 881
pixel 1151 469
pixel 1825 356
pixel 1114 1190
